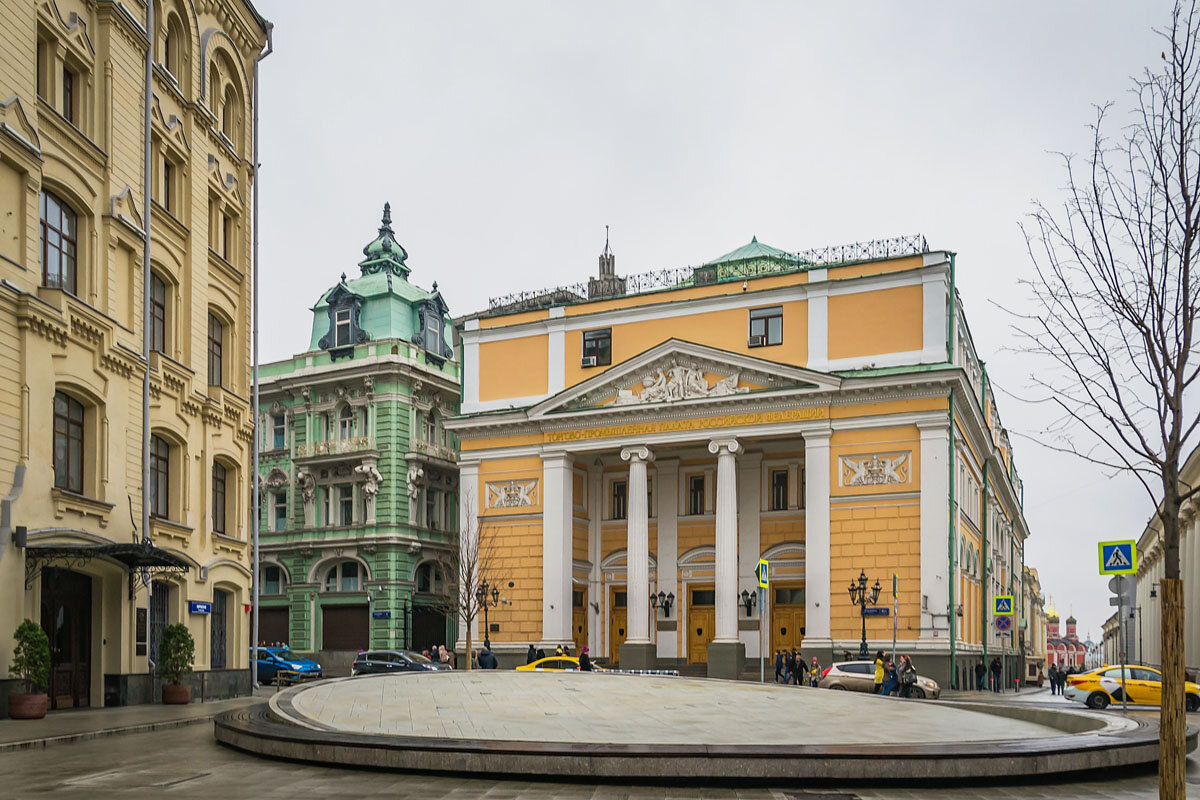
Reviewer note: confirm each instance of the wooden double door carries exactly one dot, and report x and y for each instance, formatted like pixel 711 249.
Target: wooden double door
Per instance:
pixel 787 617
pixel 618 623
pixel 67 620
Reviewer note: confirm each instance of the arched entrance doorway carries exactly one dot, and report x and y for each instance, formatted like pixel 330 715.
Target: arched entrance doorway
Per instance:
pixel 429 627
pixel 67 620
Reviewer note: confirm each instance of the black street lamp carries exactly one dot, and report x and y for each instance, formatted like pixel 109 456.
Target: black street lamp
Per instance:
pixel 862 597
pixel 486 601
pixel 749 600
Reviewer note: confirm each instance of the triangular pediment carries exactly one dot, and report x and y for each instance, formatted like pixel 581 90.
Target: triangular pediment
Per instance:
pixel 677 371
pixel 15 122
pixel 172 128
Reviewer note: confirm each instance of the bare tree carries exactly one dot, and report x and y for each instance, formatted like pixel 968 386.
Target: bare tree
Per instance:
pixel 474 562
pixel 1114 314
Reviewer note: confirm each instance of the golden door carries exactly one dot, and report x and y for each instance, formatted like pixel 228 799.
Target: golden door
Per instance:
pixel 700 623
pixel 786 624
pixel 617 627
pixel 579 630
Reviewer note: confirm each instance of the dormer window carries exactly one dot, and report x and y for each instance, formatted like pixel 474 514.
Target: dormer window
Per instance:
pixel 341 327
pixel 433 332
pixel 344 332
pixel 431 327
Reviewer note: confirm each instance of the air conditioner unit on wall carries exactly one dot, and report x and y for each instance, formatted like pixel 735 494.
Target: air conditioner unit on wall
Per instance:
pixel 588 361
pixel 758 341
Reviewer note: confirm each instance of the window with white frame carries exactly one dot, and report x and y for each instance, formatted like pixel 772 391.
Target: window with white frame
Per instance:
pixel 343 577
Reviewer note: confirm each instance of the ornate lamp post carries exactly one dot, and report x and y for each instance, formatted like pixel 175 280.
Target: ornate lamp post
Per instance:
pixel 862 596
pixel 487 601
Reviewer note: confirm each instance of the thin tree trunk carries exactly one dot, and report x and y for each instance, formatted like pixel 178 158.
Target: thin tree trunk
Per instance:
pixel 467 652
pixel 1172 752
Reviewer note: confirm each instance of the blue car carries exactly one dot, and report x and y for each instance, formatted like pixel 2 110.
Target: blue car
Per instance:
pixel 273 659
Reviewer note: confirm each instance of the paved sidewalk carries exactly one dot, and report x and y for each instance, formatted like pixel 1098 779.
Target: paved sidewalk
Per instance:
pixel 63 727
pixel 1030 695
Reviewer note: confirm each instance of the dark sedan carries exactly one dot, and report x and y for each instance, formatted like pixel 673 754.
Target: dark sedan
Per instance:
pixel 374 662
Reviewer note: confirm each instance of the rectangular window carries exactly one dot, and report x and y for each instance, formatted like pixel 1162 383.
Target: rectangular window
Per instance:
pixel 218 497
pixel 619 489
pixel 158 314
pixel 227 237
pixel 349 577
pixel 346 504
pixel 433 331
pixel 272 580
pixel 58 243
pixel 704 597
pixel 278 431
pixel 576 599
pixel 620 600
pixel 696 494
pixel 216 344
pixel 160 478
pixel 168 189
pixel 766 326
pixel 68 95
pixel 789 597
pixel 281 511
pixel 341 332
pixel 779 489
pixel 431 509
pixel 598 345
pixel 68 443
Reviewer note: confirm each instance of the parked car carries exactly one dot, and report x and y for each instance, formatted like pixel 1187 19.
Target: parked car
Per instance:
pixel 859 676
pixel 271 660
pixel 376 662
pixel 555 664
pixel 1108 684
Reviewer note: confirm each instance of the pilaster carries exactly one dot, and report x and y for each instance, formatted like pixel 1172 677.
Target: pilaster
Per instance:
pixel 749 476
pixel 816 538
pixel 935 522
pixel 557 533
pixel 667 489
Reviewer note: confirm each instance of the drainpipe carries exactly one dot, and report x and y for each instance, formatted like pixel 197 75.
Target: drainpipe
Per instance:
pixel 255 588
pixel 952 610
pixel 147 177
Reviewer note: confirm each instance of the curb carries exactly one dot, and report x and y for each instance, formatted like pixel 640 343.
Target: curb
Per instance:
pixel 71 738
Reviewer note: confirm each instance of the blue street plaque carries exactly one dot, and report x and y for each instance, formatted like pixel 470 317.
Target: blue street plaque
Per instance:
pixel 876 612
pixel 381 615
pixel 199 607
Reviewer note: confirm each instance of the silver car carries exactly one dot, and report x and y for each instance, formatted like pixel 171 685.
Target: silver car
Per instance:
pixel 859 676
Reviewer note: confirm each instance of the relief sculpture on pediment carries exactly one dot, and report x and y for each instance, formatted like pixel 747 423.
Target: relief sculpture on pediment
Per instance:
pixel 679 383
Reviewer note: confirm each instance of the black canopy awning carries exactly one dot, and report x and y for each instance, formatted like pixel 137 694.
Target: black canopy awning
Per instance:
pixel 142 559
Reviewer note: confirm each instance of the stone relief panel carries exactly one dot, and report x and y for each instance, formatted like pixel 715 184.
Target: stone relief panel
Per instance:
pixel 512 494
pixel 679 383
pixel 875 469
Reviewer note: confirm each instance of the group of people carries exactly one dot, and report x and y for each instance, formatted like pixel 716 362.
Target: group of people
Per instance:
pixel 537 654
pixel 892 677
pixel 440 655
pixel 981 674
pixel 790 668
pixel 1058 678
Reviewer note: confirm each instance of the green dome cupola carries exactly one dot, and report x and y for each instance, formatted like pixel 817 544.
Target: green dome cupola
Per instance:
pixel 385 253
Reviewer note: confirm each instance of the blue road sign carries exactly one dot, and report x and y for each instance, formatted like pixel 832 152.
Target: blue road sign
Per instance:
pixel 381 615
pixel 1002 604
pixel 876 612
pixel 1118 558
pixel 199 607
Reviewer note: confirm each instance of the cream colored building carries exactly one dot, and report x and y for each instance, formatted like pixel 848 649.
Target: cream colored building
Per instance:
pixel 72 222
pixel 1034 622
pixel 1146 619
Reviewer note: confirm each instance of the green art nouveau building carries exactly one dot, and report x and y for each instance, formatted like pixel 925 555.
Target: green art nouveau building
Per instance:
pixel 358 478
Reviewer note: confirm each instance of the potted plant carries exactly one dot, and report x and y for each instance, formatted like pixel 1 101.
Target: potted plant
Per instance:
pixel 30 663
pixel 175 656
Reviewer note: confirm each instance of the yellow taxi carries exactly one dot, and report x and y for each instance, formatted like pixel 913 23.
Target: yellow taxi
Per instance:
pixel 1109 684
pixel 554 664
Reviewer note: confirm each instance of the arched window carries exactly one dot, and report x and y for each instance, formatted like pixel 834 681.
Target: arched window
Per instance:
pixel 214 88
pixel 68 443
pixel 346 423
pixel 220 497
pixel 345 576
pixel 160 477
pixel 274 580
pixel 59 235
pixel 429 579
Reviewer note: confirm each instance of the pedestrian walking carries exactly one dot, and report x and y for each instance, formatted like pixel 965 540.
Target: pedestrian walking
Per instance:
pixel 996 668
pixel 1053 678
pixel 878 688
pixel 531 655
pixel 908 676
pixel 799 672
pixel 789 665
pixel 585 661
pixel 980 675
pixel 814 673
pixel 433 654
pixel 778 665
pixel 891 680
pixel 444 655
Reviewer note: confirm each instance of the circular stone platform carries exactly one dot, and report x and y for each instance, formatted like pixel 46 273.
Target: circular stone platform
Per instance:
pixel 632 726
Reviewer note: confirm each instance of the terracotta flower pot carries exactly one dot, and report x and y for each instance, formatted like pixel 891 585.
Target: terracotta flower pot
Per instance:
pixel 27 706
pixel 176 694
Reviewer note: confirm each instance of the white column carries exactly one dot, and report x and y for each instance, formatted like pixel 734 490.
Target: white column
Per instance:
pixel 637 547
pixel 726 451
pixel 468 530
pixel 557 534
pixel 749 471
pixel 667 490
pixel 816 538
pixel 935 523
pixel 595 510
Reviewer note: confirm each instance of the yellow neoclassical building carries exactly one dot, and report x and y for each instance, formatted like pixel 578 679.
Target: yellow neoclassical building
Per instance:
pixel 73 222
pixel 631 447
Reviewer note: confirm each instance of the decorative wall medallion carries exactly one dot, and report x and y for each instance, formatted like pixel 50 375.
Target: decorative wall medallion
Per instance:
pixel 876 469
pixel 277 478
pixel 511 494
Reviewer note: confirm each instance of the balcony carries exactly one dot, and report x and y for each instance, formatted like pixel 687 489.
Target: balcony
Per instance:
pixel 336 447
pixel 430 450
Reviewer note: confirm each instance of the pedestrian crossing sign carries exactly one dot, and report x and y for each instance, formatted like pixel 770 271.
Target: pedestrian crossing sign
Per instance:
pixel 1118 558
pixel 1002 605
pixel 763 573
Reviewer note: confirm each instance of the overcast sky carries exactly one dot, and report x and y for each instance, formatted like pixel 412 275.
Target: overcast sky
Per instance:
pixel 507 135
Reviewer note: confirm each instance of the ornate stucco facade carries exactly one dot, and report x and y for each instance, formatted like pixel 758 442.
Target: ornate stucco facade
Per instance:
pixel 1034 625
pixel 661 433
pixel 72 189
pixel 358 475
